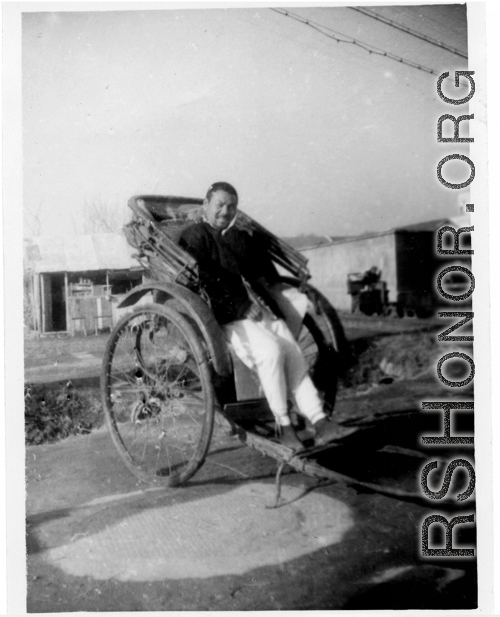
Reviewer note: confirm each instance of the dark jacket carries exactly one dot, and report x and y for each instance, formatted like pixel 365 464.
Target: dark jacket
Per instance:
pixel 222 260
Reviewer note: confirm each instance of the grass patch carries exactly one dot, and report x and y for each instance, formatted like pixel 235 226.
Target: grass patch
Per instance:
pixel 51 414
pixel 389 358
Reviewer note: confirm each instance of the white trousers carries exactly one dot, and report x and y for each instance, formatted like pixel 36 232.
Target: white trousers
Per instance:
pixel 269 347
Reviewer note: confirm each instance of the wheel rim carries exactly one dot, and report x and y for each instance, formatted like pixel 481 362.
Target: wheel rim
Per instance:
pixel 158 399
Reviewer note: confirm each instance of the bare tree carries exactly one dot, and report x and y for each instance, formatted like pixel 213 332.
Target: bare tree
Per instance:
pixel 34 220
pixel 100 217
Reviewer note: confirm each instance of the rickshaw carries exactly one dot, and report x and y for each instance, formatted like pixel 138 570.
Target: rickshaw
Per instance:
pixel 167 369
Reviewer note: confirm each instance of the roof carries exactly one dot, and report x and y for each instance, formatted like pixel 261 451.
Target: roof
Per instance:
pixel 433 225
pixel 426 226
pixel 307 240
pixel 79 253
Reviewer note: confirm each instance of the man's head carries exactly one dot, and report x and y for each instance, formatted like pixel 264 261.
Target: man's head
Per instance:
pixel 220 205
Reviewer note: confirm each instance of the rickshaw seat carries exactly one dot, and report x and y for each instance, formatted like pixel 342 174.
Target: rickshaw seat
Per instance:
pixel 174 214
pixel 174 229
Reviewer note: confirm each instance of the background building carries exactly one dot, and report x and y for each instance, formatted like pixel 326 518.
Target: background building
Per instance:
pixel 73 284
pixel 403 264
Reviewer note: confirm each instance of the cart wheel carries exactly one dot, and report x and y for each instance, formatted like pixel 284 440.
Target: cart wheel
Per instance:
pixel 323 343
pixel 158 395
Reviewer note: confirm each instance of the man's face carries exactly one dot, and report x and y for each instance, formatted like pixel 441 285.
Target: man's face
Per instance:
pixel 221 209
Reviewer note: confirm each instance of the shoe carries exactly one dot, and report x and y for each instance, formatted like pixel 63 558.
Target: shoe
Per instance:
pixel 328 431
pixel 289 439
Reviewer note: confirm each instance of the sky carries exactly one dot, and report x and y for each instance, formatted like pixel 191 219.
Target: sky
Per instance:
pixel 317 136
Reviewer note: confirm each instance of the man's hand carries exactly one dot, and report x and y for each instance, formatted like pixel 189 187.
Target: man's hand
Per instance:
pixel 254 312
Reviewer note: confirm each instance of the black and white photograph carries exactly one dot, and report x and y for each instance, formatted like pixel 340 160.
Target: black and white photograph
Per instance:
pixel 253 293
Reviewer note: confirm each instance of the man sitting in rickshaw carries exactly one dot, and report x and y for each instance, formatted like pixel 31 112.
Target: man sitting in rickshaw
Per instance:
pixel 238 278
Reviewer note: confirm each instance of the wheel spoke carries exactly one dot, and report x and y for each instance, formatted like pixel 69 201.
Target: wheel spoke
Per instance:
pixel 158 396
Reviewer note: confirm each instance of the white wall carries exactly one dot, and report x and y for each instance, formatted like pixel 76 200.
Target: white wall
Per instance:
pixel 330 265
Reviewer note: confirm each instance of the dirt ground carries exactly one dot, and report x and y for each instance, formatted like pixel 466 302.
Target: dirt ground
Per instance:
pixel 99 540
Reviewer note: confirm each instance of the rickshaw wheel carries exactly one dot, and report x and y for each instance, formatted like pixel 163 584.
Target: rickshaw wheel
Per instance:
pixel 158 395
pixel 323 344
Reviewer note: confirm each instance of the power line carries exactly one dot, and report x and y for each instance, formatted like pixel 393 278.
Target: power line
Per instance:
pixel 333 34
pixel 399 26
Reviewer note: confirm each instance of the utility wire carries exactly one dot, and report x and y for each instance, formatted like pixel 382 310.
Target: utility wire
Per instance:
pixel 419 35
pixel 333 34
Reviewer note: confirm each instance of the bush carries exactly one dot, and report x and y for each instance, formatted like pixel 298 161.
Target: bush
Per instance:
pixel 53 414
pixel 402 356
